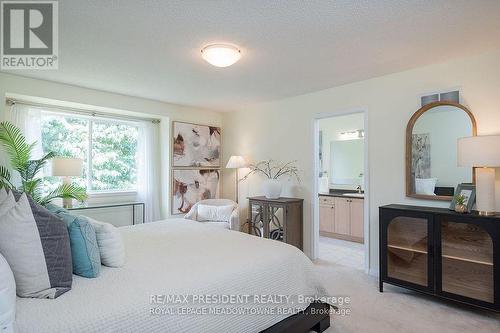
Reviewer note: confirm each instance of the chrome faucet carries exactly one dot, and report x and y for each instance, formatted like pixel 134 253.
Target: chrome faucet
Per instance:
pixel 358 188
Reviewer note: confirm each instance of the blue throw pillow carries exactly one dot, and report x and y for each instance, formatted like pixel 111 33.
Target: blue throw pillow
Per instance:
pixel 84 248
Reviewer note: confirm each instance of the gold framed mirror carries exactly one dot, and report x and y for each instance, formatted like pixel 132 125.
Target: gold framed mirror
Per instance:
pixel 431 150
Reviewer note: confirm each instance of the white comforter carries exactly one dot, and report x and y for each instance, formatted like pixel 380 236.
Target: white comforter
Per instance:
pixel 176 257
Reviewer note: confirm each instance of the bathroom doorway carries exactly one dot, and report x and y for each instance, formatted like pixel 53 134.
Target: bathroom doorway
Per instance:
pixel 340 205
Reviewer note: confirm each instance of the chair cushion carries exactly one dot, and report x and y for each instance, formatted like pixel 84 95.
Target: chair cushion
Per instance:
pixel 36 245
pixel 7 297
pixel 110 243
pixel 209 213
pixel 83 239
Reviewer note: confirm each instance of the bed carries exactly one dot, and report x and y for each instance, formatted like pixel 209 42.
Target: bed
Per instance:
pixel 177 260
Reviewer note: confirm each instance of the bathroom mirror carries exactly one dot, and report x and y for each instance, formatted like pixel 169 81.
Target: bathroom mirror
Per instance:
pixel 346 162
pixel 431 150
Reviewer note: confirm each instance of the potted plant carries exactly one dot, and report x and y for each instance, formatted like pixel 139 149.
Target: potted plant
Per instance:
pixel 460 204
pixel 19 153
pixel 273 171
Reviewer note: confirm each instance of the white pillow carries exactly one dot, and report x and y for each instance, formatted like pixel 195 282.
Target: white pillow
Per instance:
pixel 110 242
pixel 7 297
pixel 208 213
pixel 3 194
pixel 8 202
pixel 425 186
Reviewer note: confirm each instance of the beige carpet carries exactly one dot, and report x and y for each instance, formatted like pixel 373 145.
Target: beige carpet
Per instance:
pixel 397 310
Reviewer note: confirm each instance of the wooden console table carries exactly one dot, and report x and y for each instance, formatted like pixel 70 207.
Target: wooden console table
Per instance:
pixel 280 219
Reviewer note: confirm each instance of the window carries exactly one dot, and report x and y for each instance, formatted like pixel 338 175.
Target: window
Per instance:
pixel 107 146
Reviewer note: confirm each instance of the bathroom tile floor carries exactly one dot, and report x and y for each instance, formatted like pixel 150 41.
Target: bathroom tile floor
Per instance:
pixel 341 252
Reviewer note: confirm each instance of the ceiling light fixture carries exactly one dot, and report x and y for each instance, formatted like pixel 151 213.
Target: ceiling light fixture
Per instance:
pixel 221 55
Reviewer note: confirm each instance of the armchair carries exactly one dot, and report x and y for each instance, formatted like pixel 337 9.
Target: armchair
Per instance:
pixel 233 223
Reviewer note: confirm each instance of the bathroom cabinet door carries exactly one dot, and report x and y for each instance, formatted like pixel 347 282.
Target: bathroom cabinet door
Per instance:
pixel 326 216
pixel 357 218
pixel 342 216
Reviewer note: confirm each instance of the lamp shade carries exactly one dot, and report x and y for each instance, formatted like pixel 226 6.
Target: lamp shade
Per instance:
pixel 236 162
pixel 479 151
pixel 67 167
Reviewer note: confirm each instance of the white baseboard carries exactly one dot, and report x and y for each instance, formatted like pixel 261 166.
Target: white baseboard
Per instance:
pixel 373 272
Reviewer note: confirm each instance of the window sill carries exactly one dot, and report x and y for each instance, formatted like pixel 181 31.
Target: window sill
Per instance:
pixel 108 194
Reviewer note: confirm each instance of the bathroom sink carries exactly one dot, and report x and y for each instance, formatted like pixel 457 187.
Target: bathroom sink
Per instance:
pixel 357 195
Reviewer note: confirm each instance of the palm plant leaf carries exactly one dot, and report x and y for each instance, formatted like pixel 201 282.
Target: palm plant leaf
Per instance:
pixel 5 177
pixel 31 186
pixel 65 191
pixel 16 146
pixel 34 166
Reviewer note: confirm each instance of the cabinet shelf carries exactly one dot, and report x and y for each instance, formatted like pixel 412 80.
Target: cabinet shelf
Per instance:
pixel 469 279
pixel 466 242
pixel 489 263
pixel 407 265
pixel 419 249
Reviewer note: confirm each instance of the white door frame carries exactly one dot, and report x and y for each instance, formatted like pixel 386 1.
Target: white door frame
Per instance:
pixel 315 226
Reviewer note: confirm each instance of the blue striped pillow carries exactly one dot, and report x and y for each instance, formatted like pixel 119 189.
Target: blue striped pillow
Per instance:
pixel 84 248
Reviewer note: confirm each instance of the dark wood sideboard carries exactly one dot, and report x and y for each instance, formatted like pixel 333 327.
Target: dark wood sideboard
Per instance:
pixel 439 252
pixel 278 219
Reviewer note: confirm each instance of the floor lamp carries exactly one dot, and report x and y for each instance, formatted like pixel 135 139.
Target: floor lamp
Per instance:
pixel 236 162
pixel 483 153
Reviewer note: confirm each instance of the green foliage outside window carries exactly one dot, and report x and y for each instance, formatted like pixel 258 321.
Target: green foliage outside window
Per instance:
pixel 113 147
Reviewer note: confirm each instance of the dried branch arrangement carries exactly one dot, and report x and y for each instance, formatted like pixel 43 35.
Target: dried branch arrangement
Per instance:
pixel 274 170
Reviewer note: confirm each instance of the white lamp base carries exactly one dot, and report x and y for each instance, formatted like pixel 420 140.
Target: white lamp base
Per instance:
pixel 67 202
pixel 485 191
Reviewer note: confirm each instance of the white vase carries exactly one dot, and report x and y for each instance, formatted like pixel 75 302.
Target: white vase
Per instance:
pixel 272 188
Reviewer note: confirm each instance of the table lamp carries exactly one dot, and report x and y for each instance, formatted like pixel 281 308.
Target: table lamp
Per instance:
pixel 67 168
pixel 236 162
pixel 483 153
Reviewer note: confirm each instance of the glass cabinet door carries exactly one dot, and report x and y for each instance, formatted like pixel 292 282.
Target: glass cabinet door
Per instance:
pixel 266 220
pixel 467 261
pixel 256 219
pixel 276 220
pixel 407 250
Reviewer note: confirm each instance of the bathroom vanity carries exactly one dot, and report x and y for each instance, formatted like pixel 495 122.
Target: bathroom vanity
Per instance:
pixel 341 215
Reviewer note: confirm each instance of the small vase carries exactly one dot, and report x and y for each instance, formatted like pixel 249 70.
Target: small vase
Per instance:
pixel 460 209
pixel 271 188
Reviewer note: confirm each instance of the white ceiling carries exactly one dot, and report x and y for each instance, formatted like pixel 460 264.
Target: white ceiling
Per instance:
pixel 152 48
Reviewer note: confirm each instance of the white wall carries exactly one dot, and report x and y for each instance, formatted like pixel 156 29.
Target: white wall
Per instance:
pixel 283 129
pixel 17 85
